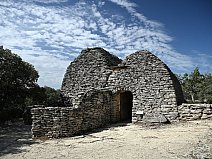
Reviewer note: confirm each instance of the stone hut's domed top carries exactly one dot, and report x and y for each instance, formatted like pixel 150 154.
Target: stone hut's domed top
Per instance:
pixel 99 55
pixel 88 71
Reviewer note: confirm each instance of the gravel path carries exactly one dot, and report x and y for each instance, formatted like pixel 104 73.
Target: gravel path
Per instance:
pixel 176 141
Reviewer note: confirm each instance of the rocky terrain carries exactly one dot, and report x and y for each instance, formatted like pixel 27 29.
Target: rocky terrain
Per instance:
pixel 189 140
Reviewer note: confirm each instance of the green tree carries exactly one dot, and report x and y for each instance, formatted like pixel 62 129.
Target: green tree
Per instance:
pixel 205 94
pixel 197 87
pixel 46 96
pixel 17 78
pixel 191 84
pixel 36 96
pixel 53 97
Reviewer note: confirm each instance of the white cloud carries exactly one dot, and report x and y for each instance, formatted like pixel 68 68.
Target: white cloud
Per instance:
pixel 50 36
pixel 50 1
pixel 51 66
pixel 202 60
pixel 131 8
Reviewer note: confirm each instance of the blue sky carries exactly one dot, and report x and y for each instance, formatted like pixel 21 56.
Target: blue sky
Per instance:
pixel 51 33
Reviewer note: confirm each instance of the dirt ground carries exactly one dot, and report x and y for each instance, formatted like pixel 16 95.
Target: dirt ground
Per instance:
pixel 188 140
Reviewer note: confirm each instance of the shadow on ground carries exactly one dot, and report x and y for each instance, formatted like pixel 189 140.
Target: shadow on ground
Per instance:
pixel 13 137
pixel 106 127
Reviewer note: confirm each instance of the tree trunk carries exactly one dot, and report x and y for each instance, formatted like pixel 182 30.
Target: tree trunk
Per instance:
pixel 192 98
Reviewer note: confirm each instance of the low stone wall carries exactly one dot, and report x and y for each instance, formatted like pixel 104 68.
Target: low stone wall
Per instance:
pixel 54 122
pixel 95 110
pixel 189 112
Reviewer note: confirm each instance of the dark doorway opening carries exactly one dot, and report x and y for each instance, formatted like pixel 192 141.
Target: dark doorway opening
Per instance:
pixel 126 104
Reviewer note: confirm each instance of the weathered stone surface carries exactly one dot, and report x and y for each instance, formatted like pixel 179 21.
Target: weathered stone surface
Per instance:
pixel 155 118
pixel 150 81
pixel 99 88
pixel 195 111
pixel 154 87
pixel 54 122
pixel 90 70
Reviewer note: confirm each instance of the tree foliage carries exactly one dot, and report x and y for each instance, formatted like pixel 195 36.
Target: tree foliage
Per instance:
pixel 18 87
pixel 17 79
pixel 197 87
pixel 46 96
pixel 53 97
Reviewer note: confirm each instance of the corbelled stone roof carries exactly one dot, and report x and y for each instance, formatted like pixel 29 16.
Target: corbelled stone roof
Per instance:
pixel 90 70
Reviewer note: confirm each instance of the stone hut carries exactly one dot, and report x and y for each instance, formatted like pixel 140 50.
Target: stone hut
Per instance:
pixel 99 88
pixel 143 88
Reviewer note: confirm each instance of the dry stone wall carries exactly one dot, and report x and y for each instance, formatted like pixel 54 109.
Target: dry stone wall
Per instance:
pixel 55 122
pixel 195 111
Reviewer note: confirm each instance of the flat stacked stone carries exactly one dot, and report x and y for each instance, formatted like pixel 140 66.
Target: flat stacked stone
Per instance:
pixel 92 88
pixel 55 122
pixel 155 88
pixel 90 70
pixel 195 111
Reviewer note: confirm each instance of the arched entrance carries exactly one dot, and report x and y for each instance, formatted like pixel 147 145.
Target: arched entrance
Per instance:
pixel 126 103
